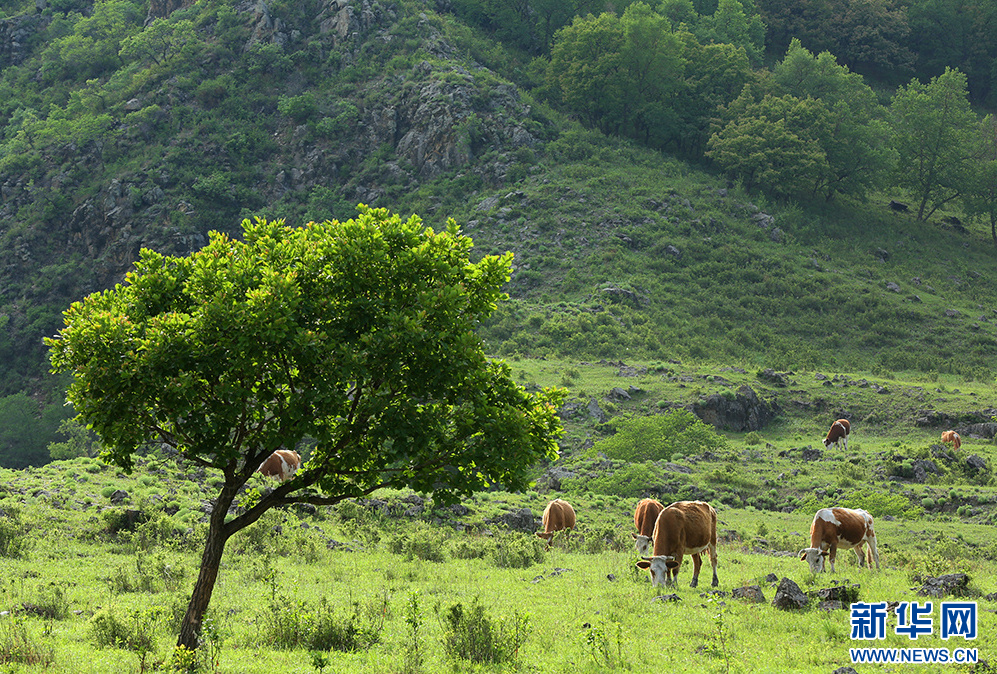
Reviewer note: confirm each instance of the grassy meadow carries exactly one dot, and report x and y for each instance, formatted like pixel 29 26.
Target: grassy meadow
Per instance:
pixel 97 580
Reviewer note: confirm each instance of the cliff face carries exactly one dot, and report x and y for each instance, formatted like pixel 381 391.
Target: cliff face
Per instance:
pixel 16 36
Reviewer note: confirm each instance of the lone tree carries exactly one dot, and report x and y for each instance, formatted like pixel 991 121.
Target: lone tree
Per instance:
pixel 358 336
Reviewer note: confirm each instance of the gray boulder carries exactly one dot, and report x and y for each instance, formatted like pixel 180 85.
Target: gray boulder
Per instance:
pixel 789 596
pixel 744 411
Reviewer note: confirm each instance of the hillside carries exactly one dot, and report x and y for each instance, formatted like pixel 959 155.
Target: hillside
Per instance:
pixel 131 124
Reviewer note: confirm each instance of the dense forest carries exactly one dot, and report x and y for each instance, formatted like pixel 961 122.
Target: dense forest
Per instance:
pixel 128 124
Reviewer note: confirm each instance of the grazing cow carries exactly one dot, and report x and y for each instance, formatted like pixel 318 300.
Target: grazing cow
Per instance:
pixel 683 528
pixel 952 437
pixel 839 431
pixel 834 525
pixel 557 515
pixel 645 517
pixel 282 465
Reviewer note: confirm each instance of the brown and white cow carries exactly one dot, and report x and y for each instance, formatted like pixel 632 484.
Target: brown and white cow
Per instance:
pixel 282 464
pixel 645 517
pixel 683 528
pixel 839 431
pixel 558 516
pixel 831 526
pixel 953 438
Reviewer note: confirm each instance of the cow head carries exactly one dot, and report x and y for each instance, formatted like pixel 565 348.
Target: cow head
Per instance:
pixel 814 557
pixel 644 545
pixel 658 566
pixel 827 443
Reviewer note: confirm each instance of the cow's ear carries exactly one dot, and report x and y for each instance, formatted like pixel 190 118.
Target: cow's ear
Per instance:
pixel 803 555
pixel 825 553
pixel 634 535
pixel 643 564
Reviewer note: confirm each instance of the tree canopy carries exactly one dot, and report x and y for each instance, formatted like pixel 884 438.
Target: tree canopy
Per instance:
pixel 356 336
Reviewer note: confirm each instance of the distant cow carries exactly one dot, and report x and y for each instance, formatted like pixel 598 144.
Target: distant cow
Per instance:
pixel 683 528
pixel 852 528
pixel 282 465
pixel 558 516
pixel 839 431
pixel 952 437
pixel 645 517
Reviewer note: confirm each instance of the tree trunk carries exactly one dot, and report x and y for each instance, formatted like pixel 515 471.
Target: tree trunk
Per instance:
pixel 218 534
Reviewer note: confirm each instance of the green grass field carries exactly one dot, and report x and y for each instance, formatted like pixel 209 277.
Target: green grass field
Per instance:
pixel 398 585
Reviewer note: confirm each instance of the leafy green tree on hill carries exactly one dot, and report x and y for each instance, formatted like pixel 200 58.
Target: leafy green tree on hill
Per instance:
pixel 981 200
pixel 934 133
pixel 857 143
pixel 773 142
pixel 357 336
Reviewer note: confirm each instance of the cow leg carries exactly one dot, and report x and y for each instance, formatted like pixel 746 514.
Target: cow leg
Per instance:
pixel 874 550
pixel 713 562
pixel 858 550
pixel 831 554
pixel 697 563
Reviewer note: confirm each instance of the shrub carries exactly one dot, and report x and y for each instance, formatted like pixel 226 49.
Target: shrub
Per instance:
pixel 424 544
pixel 288 624
pixel 516 551
pixel 469 634
pixel 298 108
pixel 629 481
pixel 462 548
pixel 659 437
pixel 17 646
pixel 135 632
pixel 14 541
pixel 50 603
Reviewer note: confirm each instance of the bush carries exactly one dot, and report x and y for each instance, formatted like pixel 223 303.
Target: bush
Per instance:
pixel 424 544
pixel 471 635
pixel 14 541
pixel 516 551
pixel 659 437
pixel 134 632
pixel 18 646
pixel 288 624
pixel 629 481
pixel 298 108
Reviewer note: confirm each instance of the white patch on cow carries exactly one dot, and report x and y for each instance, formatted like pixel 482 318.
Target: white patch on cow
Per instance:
pixel 827 515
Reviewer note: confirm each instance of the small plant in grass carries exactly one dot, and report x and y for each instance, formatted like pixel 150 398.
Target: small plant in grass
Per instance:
pixel 470 634
pixel 605 645
pixel 413 618
pixel 319 661
pixel 719 641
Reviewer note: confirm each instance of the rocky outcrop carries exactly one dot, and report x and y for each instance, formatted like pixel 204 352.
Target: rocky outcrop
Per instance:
pixel 160 9
pixel 744 411
pixel 15 37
